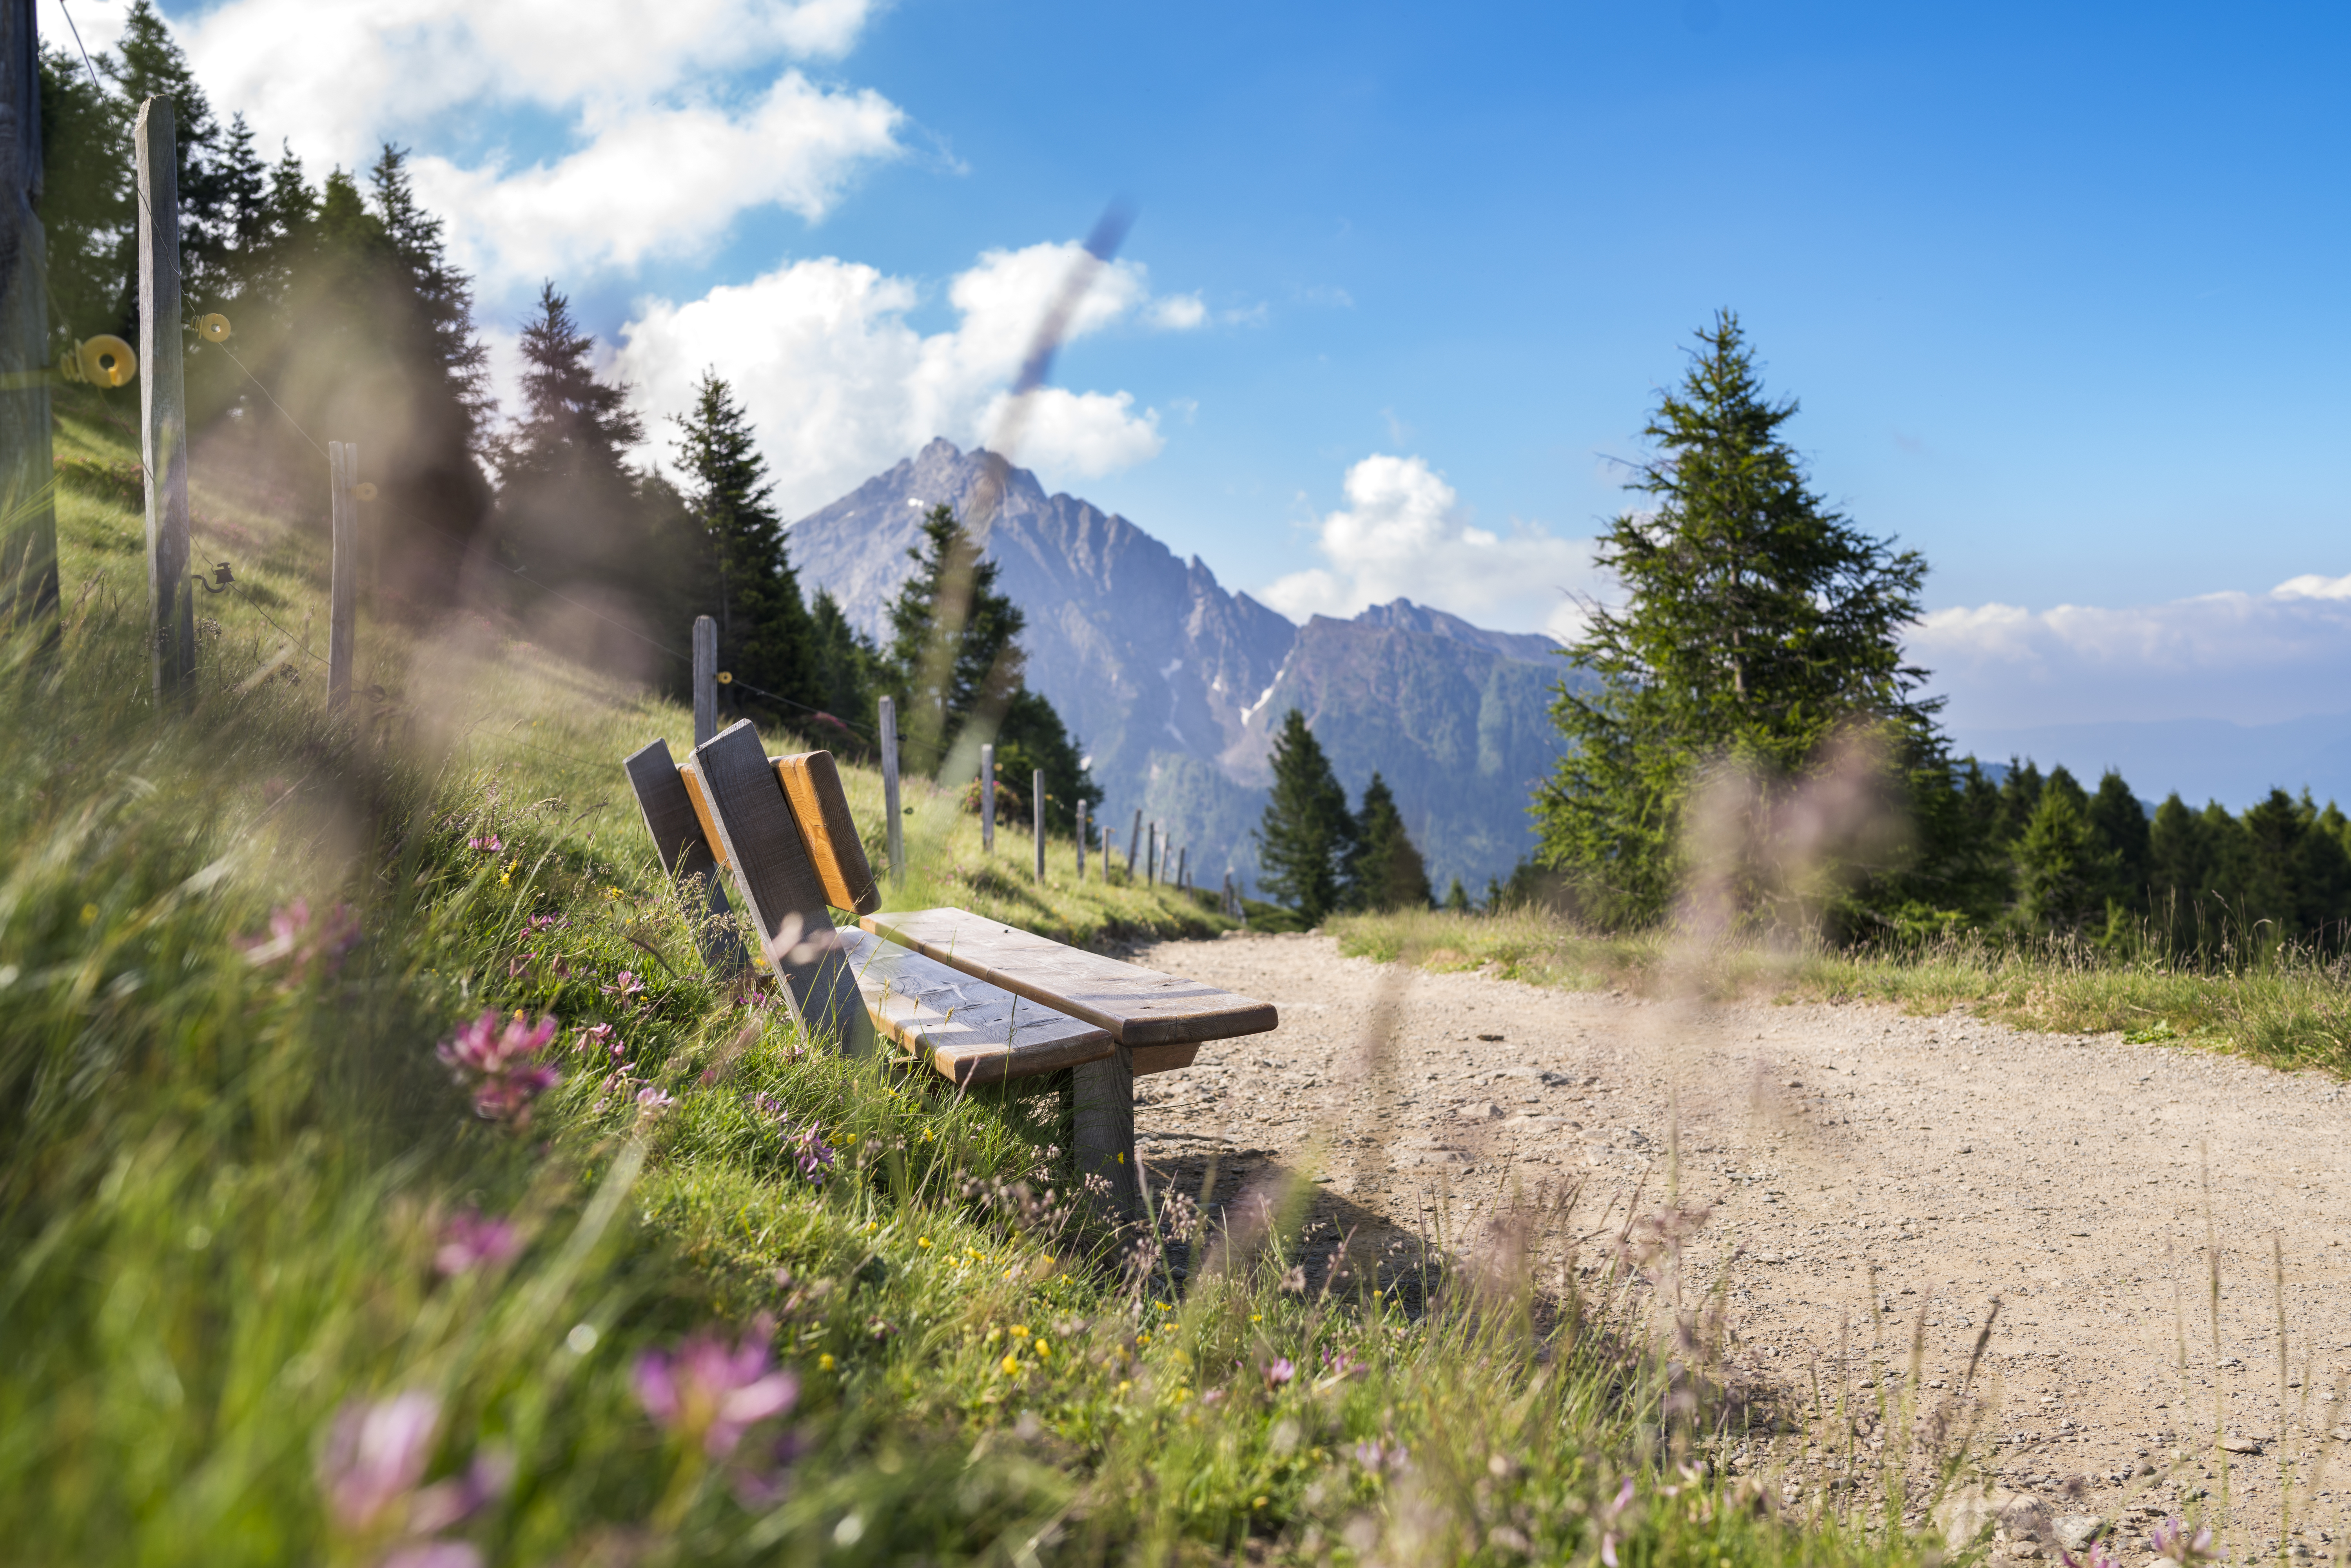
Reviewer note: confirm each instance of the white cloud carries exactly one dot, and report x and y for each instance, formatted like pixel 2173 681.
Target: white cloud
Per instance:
pixel 840 385
pixel 2251 657
pixel 678 116
pixel 1177 313
pixel 1402 534
pixel 658 181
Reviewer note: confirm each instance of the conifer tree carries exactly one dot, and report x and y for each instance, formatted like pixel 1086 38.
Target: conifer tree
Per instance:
pixel 1306 836
pixel 1759 627
pixel 846 663
pixel 1456 898
pixel 2064 873
pixel 565 492
pixel 2122 827
pixel 1385 870
pixel 86 200
pixel 764 633
pixel 952 652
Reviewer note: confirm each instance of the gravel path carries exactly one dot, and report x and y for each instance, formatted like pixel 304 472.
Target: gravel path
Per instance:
pixel 1966 1162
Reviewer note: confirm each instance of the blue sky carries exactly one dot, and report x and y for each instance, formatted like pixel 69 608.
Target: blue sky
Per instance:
pixel 2059 290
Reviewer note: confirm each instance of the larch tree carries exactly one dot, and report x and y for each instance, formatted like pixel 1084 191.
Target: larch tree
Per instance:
pixel 1758 632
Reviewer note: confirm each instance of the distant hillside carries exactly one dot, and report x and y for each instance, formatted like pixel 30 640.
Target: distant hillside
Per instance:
pixel 1174 684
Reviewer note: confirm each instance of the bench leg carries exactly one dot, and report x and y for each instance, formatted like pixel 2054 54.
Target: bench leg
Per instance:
pixel 1102 1107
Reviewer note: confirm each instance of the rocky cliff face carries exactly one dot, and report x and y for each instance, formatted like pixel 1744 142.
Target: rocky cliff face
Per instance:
pixel 1174 686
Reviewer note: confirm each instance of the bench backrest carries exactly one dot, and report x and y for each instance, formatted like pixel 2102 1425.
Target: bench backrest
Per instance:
pixel 740 811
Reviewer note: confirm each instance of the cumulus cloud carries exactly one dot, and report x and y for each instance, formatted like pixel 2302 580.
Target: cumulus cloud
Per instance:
pixel 2251 657
pixel 658 181
pixel 841 384
pixel 1178 313
pixel 1403 535
pixel 678 116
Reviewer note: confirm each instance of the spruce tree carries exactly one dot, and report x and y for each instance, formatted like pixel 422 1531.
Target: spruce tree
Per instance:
pixel 87 201
pixel 2064 873
pixel 952 652
pixel 1385 871
pixel 1758 627
pixel 2122 827
pixel 845 664
pixel 764 633
pixel 1456 898
pixel 1306 836
pixel 566 496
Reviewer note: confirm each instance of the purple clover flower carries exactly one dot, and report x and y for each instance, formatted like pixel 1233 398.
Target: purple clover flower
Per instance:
pixel 498 1065
pixel 2170 1539
pixel 651 1100
pixel 488 844
pixel 705 1393
pixel 1282 1370
pixel 375 1456
pixel 297 941
pixel 810 1155
pixel 469 1241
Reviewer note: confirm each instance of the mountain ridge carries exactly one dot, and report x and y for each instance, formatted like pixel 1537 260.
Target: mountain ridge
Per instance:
pixel 1174 685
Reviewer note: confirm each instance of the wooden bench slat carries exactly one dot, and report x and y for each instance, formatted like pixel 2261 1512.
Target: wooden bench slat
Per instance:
pixel 1139 1007
pixel 970 1031
pixel 813 782
pixel 664 796
pixel 759 838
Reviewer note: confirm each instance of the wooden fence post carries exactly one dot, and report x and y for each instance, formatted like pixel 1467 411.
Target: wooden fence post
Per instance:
pixel 1183 860
pixel 342 581
pixel 1082 838
pixel 1227 904
pixel 705 678
pixel 28 517
pixel 890 791
pixel 987 800
pixel 164 407
pixel 1151 858
pixel 1134 843
pixel 1037 816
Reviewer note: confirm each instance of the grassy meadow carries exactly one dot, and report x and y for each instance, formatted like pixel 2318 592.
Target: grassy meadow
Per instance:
pixel 386 1184
pixel 2274 1002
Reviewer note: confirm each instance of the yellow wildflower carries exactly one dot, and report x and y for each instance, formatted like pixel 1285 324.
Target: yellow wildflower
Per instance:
pixel 824 1364
pixel 1257 1502
pixel 1019 1331
pixel 1010 1366
pixel 923 1241
pixel 1044 1349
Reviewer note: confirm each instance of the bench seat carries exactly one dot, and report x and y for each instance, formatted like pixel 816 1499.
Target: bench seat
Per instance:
pixel 1162 1019
pixel 970 1031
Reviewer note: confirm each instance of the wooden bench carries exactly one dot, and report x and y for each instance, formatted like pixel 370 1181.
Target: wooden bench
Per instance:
pixel 981 1001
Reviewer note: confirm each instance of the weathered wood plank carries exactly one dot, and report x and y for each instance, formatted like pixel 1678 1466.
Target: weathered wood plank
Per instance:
pixel 1102 1105
pixel 680 840
pixel 812 783
pixel 968 1031
pixel 763 846
pixel 163 408
pixel 1140 1007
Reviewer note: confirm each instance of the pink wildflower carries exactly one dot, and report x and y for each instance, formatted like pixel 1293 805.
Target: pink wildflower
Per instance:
pixel 652 1100
pixel 435 1554
pixel 469 1239
pixel 1280 1371
pixel 544 922
pixel 375 1456
pixel 293 935
pixel 516 968
pixel 488 844
pixel 595 1036
pixel 2170 1539
pixel 706 1393
pixel 1608 1549
pixel 499 1064
pixel 625 988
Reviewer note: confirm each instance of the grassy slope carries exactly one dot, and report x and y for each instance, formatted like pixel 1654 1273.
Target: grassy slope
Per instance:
pixel 234 1173
pixel 2284 1007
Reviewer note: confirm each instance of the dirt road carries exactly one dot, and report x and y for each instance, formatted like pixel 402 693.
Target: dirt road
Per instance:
pixel 1965 1161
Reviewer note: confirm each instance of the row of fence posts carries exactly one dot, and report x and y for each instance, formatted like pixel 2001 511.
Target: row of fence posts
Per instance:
pixel 28 544
pixel 1156 868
